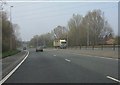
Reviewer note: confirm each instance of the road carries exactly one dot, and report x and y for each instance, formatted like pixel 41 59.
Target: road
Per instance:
pixel 60 66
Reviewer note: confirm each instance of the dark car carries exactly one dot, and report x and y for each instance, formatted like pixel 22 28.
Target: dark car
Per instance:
pixel 24 48
pixel 40 48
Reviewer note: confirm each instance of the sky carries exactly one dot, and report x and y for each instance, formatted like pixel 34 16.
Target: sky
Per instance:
pixel 36 18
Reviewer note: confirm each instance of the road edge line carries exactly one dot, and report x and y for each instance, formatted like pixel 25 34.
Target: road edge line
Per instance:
pixel 68 60
pixel 10 73
pixel 94 56
pixel 113 79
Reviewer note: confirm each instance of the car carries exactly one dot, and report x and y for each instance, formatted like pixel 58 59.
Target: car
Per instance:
pixel 39 48
pixel 24 48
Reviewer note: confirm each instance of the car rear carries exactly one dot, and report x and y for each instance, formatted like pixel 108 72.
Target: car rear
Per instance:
pixel 40 48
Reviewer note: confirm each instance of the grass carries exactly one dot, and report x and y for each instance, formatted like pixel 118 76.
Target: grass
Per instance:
pixel 9 53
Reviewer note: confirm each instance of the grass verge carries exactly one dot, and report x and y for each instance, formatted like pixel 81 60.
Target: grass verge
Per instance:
pixel 9 53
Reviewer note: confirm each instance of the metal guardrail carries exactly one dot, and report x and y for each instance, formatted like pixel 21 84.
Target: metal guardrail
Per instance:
pixel 98 47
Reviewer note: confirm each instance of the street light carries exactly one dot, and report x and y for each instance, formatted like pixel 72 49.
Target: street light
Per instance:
pixel 11 13
pixel 11 27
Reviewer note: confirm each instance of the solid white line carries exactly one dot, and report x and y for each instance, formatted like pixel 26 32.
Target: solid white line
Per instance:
pixel 105 57
pixel 6 77
pixel 94 56
pixel 113 79
pixel 68 60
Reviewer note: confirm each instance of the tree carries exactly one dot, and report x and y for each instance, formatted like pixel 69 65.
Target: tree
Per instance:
pixel 117 40
pixel 44 40
pixel 74 30
pixel 2 3
pixel 97 26
pixel 8 33
pixel 16 37
pixel 90 29
pixel 60 32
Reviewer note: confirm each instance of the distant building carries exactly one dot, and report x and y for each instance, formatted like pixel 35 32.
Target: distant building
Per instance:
pixel 110 41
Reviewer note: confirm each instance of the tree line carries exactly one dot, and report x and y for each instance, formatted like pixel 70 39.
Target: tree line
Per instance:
pixel 91 29
pixel 10 33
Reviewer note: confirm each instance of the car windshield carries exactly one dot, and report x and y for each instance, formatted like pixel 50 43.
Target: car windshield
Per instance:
pixel 63 42
pixel 40 47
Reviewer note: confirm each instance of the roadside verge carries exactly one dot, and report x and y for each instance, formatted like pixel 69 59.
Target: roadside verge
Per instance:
pixel 97 53
pixel 11 64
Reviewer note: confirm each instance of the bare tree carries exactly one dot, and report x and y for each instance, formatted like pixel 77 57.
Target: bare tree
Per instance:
pixel 96 24
pixel 44 40
pixel 7 33
pixel 74 30
pixel 60 32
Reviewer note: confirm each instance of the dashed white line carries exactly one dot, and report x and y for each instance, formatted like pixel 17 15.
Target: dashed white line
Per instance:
pixel 54 55
pixel 68 60
pixel 113 79
pixel 6 77
pixel 105 57
pixel 94 56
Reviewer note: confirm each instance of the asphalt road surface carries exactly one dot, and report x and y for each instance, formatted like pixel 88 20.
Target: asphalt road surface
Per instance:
pixel 60 66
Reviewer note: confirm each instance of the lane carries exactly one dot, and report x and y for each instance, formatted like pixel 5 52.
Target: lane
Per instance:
pixel 102 65
pixel 44 67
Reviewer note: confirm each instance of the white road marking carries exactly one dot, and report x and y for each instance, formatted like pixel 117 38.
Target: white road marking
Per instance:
pixel 68 60
pixel 94 56
pixel 54 55
pixel 6 77
pixel 113 79
pixel 105 57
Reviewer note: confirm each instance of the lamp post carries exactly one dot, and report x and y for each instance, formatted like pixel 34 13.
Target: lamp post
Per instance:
pixel 11 27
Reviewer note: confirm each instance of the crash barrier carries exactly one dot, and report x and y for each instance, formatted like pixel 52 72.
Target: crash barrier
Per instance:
pixel 97 47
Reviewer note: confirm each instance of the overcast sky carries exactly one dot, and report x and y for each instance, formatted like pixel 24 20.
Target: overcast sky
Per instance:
pixel 35 18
